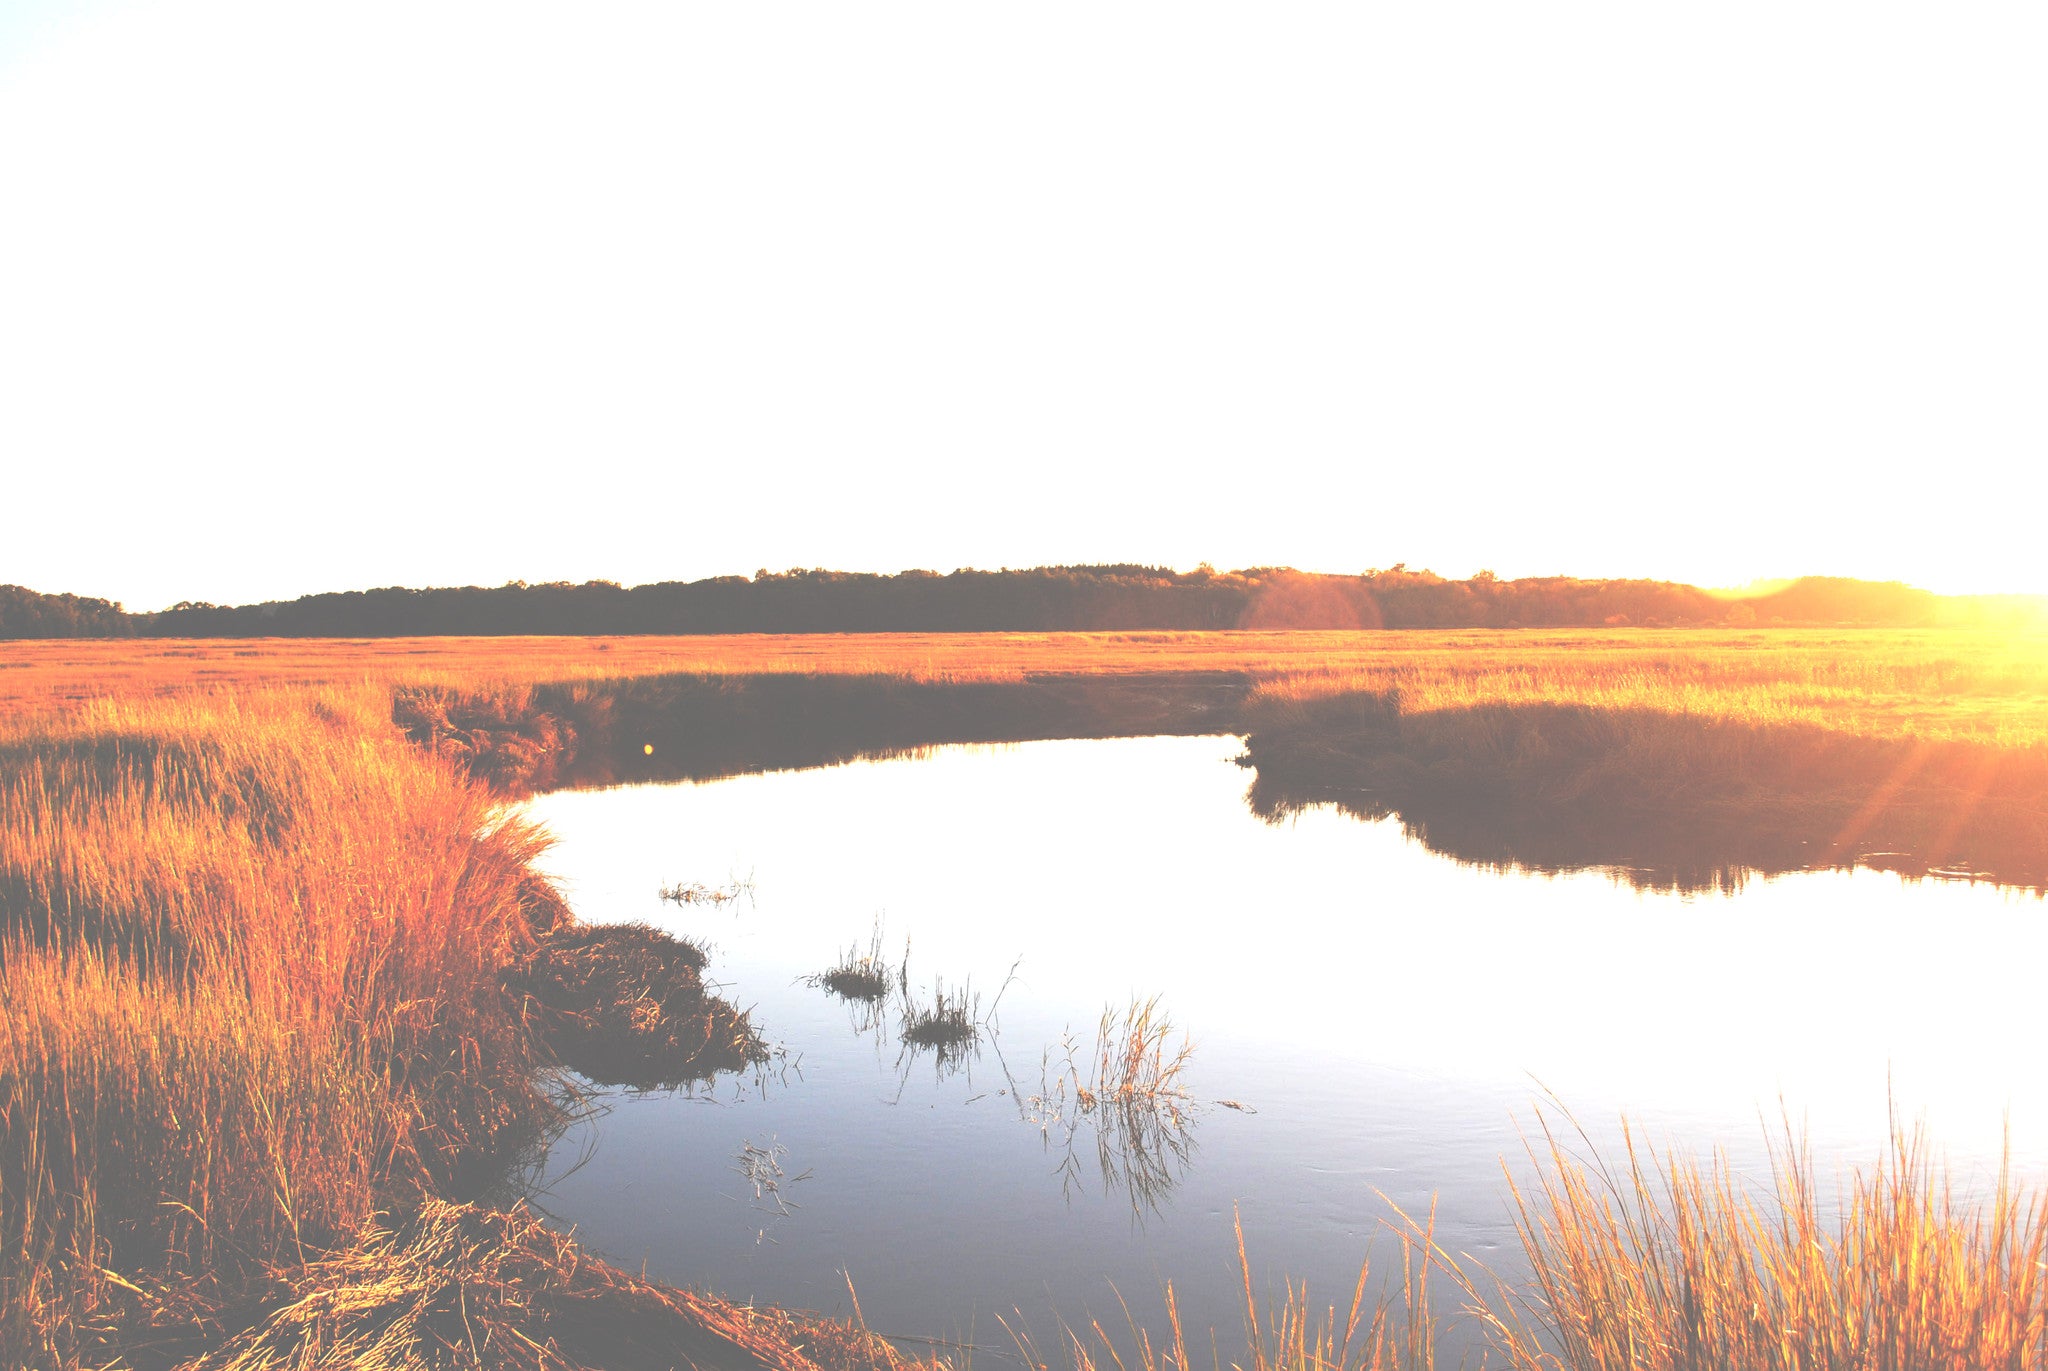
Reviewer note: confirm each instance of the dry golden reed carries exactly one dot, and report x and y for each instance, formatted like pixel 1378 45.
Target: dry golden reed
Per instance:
pixel 1664 1263
pixel 249 948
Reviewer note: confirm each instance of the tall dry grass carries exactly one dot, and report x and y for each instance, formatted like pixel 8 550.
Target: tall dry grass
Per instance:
pixel 249 948
pixel 1662 1263
pixel 1665 1263
pixel 1390 1326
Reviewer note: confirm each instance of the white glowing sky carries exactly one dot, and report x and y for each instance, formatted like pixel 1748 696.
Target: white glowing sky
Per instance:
pixel 303 297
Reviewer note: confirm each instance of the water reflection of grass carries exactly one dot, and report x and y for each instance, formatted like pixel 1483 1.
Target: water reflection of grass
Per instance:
pixel 1682 755
pixel 1127 1098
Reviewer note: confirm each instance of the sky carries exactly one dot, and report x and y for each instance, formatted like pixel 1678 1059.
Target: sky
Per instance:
pixel 299 297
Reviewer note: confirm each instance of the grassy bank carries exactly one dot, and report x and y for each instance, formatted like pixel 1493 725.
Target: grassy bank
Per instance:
pixel 1674 759
pixel 249 948
pixel 1686 766
pixel 273 977
pixel 600 732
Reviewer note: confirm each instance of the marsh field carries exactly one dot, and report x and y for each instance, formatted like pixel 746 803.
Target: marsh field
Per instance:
pixel 608 1002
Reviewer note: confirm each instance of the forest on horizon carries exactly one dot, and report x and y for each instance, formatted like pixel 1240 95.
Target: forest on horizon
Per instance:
pixel 1042 599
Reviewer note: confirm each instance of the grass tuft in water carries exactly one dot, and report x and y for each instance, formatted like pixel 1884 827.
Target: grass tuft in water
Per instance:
pixel 1130 1093
pixel 951 1019
pixel 1132 1061
pixel 861 974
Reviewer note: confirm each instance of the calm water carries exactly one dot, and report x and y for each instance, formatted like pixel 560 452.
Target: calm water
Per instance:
pixel 1388 1019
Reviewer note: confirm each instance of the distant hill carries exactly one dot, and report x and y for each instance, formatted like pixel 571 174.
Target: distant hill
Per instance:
pixel 1040 599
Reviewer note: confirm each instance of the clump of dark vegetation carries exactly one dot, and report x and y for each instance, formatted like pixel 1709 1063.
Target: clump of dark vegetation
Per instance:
pixel 857 982
pixel 860 974
pixel 952 1019
pixel 625 1004
pixel 952 1022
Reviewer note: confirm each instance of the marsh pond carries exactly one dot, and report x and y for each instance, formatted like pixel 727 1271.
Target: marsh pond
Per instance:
pixel 1368 1027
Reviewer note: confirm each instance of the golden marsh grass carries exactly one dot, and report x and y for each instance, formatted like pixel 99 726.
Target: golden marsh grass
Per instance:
pixel 1667 1263
pixel 252 945
pixel 249 948
pixel 1924 683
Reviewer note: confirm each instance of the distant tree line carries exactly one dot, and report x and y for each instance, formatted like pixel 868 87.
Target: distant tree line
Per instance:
pixel 1041 599
pixel 25 613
